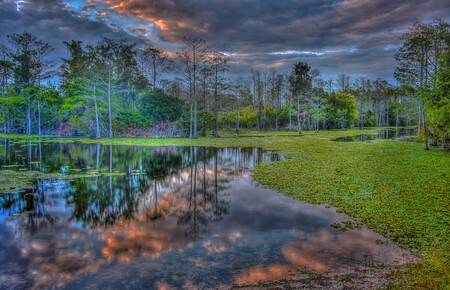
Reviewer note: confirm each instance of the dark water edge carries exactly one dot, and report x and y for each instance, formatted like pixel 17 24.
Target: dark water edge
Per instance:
pixel 400 134
pixel 155 217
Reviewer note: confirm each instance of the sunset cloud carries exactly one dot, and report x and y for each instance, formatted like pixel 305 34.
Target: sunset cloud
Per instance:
pixel 335 36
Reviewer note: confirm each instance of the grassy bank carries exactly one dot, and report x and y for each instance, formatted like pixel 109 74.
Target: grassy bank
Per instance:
pixel 396 188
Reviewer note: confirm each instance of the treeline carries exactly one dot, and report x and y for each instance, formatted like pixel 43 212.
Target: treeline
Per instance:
pixel 114 88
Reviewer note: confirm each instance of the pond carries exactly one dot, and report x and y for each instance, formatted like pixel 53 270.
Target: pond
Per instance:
pixel 400 134
pixel 161 217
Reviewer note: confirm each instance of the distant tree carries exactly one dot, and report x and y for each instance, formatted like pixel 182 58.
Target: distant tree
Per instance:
pixel 341 110
pixel 191 56
pixel 258 91
pixel 300 81
pixel 362 91
pixel 219 64
pixel 419 62
pixel 117 58
pixel 317 103
pixel 30 68
pixel 381 94
pixel 155 62
pixel 77 65
pixel 279 80
pixel 343 83
pixel 206 74
pixel 6 66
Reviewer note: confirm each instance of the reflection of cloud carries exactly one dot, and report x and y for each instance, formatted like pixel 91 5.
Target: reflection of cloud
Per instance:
pixel 127 240
pixel 163 286
pixel 60 254
pixel 50 265
pixel 326 252
pixel 220 243
pixel 256 274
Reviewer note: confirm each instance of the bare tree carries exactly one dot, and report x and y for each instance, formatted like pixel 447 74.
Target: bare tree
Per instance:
pixel 206 74
pixel 219 64
pixel 191 55
pixel 258 91
pixel 343 83
pixel 154 63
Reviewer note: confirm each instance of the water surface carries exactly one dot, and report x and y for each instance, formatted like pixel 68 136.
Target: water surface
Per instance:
pixel 155 217
pixel 400 134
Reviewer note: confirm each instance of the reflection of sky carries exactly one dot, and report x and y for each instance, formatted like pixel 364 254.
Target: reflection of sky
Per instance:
pixel 245 233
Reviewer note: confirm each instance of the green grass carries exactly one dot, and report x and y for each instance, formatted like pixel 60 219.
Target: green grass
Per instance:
pixel 395 188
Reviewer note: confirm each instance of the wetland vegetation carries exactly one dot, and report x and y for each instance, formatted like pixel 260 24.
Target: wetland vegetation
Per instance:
pixel 392 187
pixel 284 174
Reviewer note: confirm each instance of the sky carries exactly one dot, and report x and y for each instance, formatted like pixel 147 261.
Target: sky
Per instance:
pixel 355 37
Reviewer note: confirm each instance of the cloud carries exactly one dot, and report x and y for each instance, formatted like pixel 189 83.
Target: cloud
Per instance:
pixel 327 29
pixel 338 36
pixel 54 22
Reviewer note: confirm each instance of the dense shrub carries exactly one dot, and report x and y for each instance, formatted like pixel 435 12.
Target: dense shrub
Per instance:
pixel 158 106
pixel 341 110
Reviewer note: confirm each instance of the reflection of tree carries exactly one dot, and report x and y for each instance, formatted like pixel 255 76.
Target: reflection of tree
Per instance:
pixel 101 201
pixel 175 196
pixel 155 213
pixel 28 207
pixel 206 208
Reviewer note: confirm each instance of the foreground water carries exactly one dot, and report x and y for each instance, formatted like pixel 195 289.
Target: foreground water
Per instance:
pixel 161 217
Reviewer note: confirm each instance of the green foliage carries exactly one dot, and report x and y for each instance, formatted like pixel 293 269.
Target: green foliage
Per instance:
pixel 300 79
pixel 248 117
pixel 158 106
pixel 341 110
pixel 437 101
pixel 129 118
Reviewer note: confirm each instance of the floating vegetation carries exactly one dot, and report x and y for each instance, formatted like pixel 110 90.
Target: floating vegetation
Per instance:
pixel 113 173
pixel 10 166
pixel 11 181
pixel 347 225
pixel 16 216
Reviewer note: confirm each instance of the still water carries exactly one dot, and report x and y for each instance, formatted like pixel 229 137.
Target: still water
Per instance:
pixel 399 134
pixel 162 217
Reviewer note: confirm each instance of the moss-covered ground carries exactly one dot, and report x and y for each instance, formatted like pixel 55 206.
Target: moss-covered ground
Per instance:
pixel 396 188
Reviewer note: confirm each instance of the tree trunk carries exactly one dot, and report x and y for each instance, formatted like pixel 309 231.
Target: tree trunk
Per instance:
pixel 387 113
pixel 298 117
pixel 39 117
pixel 216 115
pixel 424 131
pixel 195 119
pixel 204 109
pixel 109 105
pixel 97 131
pixel 28 117
pixel 191 121
pixel 276 119
pixel 290 114
pixel 216 107
pixel 420 124
pixel 237 117
pixel 397 120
